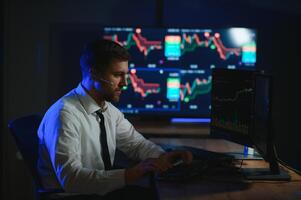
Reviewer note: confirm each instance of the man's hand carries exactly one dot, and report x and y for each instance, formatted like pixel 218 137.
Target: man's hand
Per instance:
pixel 174 156
pixel 149 165
pixel 161 164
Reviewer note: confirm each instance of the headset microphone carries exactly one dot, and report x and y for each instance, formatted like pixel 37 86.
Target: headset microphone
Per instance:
pixel 106 81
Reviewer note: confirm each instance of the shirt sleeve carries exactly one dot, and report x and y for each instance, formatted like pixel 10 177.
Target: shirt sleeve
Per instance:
pixel 132 143
pixel 65 154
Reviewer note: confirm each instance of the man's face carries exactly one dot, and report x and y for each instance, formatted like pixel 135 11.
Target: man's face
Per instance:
pixel 116 77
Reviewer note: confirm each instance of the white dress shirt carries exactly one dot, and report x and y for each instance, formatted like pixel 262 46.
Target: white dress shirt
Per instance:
pixel 70 148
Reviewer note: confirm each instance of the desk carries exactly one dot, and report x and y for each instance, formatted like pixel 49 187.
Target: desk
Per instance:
pixel 167 129
pixel 216 189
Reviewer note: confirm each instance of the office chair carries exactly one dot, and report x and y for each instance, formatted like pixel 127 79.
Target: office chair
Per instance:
pixel 24 131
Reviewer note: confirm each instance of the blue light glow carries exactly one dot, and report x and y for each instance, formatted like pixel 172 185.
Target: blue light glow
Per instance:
pixel 190 120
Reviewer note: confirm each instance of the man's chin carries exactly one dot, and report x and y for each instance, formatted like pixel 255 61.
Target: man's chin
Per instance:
pixel 114 99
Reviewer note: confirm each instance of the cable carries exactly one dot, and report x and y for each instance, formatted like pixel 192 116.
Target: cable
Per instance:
pixel 242 160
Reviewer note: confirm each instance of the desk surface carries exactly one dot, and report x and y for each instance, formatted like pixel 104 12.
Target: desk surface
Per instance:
pixel 227 188
pixel 167 129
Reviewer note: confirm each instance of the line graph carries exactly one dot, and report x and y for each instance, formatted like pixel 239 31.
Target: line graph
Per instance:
pixel 189 91
pixel 144 45
pixel 237 95
pixel 139 85
pixel 191 42
pixel 151 89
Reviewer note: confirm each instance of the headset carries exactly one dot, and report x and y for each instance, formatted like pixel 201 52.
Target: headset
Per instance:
pixel 106 81
pixel 100 79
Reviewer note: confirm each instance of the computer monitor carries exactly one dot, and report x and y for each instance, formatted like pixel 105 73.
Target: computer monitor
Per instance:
pixel 241 112
pixel 170 70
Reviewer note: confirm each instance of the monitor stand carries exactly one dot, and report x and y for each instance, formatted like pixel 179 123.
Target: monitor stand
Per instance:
pixel 265 174
pixel 273 173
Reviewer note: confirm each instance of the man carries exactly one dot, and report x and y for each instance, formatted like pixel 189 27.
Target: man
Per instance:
pixel 79 133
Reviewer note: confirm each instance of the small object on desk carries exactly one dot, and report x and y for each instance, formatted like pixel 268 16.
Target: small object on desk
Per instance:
pixel 177 162
pixel 182 172
pixel 248 151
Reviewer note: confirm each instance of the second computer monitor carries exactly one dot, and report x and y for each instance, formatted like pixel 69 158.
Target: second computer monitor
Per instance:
pixel 241 112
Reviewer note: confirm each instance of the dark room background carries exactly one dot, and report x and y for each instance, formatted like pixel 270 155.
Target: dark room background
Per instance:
pixel 34 72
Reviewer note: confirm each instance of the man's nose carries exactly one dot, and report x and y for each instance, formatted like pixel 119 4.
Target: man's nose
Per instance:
pixel 124 80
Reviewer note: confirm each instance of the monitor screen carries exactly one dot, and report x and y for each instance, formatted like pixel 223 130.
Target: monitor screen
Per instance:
pixel 241 107
pixel 170 69
pixel 232 112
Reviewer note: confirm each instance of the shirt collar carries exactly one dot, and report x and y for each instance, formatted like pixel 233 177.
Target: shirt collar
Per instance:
pixel 87 101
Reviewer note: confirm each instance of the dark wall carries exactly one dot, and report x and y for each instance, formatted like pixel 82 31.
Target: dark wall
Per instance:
pixel 1 84
pixel 34 75
pixel 284 56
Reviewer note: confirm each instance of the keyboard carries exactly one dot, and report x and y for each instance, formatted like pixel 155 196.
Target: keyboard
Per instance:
pixel 183 172
pixel 198 153
pixel 204 163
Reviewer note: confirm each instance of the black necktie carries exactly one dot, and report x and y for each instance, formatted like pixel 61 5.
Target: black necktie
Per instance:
pixel 104 144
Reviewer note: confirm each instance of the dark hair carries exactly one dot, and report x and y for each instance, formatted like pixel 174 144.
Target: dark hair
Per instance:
pixel 100 54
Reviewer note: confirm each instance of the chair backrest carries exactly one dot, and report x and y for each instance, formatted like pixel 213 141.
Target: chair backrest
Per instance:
pixel 24 131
